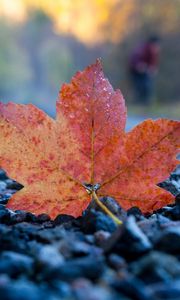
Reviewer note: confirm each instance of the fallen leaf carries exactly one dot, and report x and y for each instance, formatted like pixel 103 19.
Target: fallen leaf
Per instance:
pixel 60 161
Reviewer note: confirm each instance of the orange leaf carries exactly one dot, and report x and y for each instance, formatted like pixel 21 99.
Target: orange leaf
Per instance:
pixel 57 161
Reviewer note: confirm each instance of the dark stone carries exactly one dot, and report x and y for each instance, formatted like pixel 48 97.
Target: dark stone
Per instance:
pixel 43 218
pixel 61 288
pixel 13 185
pixel 83 289
pixel 89 266
pixel 49 257
pixel 116 261
pixel 169 186
pixel 27 229
pixel 166 291
pixel 15 238
pixel 3 186
pixel 177 199
pixel 132 288
pixel 14 264
pixel 60 219
pixel 31 218
pixel 3 175
pixel 2 207
pixel 173 213
pixel 22 290
pixel 93 221
pixel 169 241
pixel 48 224
pixel 50 235
pixel 4 216
pixel 155 267
pixel 80 248
pixel 153 226
pixel 4 198
pixel 18 217
pixel 111 204
pixel 101 236
pixel 13 242
pixel 134 210
pixel 128 240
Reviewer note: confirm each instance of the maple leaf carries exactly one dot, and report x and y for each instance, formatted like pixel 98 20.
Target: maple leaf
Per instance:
pixel 85 150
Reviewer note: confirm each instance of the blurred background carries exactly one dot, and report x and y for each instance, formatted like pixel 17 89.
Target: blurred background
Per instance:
pixel 43 43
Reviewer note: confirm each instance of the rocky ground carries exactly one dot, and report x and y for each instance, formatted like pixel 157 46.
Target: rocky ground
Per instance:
pixel 89 258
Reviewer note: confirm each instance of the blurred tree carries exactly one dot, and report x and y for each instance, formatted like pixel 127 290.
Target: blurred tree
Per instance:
pixel 36 30
pixel 14 64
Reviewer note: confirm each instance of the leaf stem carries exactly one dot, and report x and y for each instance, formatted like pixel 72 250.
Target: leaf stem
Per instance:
pixel 105 209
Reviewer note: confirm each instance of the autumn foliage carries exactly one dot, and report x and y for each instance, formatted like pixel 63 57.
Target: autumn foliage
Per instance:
pixel 60 162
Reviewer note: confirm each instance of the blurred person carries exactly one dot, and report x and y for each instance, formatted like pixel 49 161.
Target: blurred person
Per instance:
pixel 143 67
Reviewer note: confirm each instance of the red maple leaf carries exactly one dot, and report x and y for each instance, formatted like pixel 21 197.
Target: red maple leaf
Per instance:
pixel 60 162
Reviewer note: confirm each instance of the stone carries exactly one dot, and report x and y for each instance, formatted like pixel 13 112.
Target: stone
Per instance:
pixel 89 266
pixel 153 226
pixel 170 186
pixel 169 240
pixel 13 185
pixel 132 288
pixel 128 240
pixel 101 236
pixel 93 221
pixel 43 218
pixel 156 266
pixel 49 256
pixel 4 198
pixel 14 264
pixel 4 216
pixel 166 291
pixel 60 219
pixel 18 217
pixel 22 289
pixel 111 204
pixel 3 175
pixel 3 186
pixel 177 199
pixel 136 212
pixel 31 218
pixel 173 213
pixel 116 261
pixel 84 289
pixel 2 207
